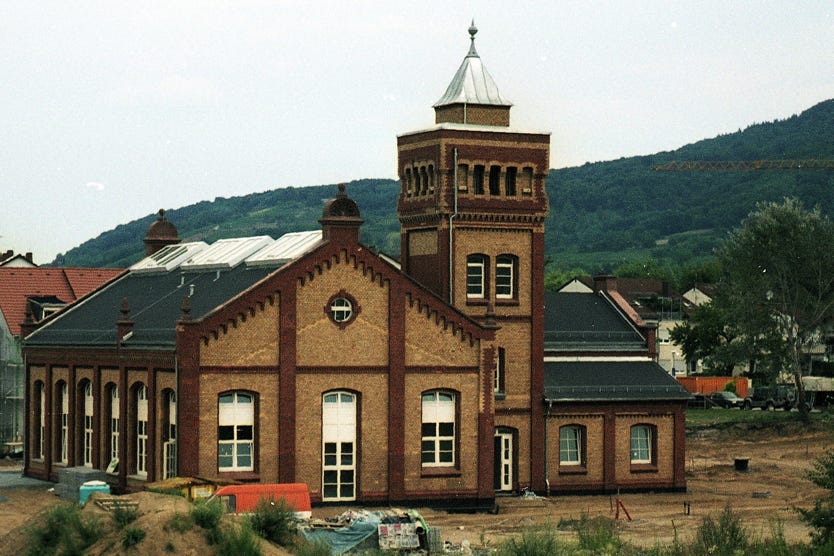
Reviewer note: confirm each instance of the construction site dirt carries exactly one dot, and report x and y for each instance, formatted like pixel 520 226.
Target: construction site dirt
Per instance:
pixel 764 496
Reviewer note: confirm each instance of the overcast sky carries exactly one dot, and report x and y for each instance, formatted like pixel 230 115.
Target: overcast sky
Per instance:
pixel 111 110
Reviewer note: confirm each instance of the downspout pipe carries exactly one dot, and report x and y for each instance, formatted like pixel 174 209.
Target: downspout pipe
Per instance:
pixel 451 218
pixel 546 470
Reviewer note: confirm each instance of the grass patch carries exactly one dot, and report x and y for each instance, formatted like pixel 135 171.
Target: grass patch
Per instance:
pixel 180 523
pixel 132 536
pixel 63 531
pixel 125 516
pixel 274 520
pixel 206 515
pixel 239 541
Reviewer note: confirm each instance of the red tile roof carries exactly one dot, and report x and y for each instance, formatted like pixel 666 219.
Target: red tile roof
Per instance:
pixel 67 284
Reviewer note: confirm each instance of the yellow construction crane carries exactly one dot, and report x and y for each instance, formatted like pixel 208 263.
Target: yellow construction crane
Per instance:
pixel 699 165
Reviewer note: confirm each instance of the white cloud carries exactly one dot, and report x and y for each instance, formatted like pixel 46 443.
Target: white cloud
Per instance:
pixel 95 185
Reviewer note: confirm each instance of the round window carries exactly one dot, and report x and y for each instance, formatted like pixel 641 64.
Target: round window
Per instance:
pixel 341 309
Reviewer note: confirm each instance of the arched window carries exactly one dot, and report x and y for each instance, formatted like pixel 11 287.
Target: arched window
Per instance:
pixel 478 179
pixel 506 267
pixel 439 414
pixel 338 418
pixel 63 421
pixel 500 373
pixel 236 432
pixel 510 178
pixel 169 434
pixel 571 445
pixel 39 406
pixel 643 439
pixel 113 428
pixel 495 180
pixel 477 266
pixel 142 430
pixel 87 447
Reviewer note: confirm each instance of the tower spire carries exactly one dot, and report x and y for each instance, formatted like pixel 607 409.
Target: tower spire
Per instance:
pixel 472 32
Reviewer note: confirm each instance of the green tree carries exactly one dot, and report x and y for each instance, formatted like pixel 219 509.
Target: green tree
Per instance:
pixel 821 516
pixel 779 281
pixel 707 336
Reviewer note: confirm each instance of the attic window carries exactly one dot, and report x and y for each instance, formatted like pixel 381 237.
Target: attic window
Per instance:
pixel 342 309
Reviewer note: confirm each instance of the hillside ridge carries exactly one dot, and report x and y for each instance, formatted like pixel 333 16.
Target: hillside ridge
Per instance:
pixel 602 213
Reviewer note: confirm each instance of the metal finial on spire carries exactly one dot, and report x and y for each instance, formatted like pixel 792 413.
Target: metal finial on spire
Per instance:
pixel 472 32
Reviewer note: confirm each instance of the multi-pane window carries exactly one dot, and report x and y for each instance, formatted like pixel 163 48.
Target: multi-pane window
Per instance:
pixel 114 426
pixel 641 444
pixel 570 445
pixel 476 266
pixel 88 425
pixel 236 432
pixel 505 266
pixel 500 363
pixel 170 445
pixel 64 393
pixel 341 309
pixel 41 400
pixel 339 446
pixel 142 430
pixel 438 430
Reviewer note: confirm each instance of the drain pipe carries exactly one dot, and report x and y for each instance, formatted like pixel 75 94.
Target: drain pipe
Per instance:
pixel 546 468
pixel 452 217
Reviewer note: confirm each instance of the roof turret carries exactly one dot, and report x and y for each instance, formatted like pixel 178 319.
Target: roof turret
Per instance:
pixel 473 86
pixel 160 233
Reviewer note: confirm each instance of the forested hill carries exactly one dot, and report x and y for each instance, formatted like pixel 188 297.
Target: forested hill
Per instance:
pixel 602 214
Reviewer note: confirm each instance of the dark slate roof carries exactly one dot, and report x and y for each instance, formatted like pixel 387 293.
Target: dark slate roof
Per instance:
pixel 587 322
pixel 587 381
pixel 155 300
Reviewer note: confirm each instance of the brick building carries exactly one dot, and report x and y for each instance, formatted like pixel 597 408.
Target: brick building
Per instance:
pixel 313 359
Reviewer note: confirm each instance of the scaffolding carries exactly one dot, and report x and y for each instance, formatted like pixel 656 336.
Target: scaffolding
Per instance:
pixel 11 394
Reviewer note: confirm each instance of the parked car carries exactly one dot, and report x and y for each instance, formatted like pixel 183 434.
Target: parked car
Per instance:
pixel 771 397
pixel 727 400
pixel 700 401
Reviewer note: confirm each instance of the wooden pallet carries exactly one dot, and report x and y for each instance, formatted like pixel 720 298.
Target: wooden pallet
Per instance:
pixel 111 504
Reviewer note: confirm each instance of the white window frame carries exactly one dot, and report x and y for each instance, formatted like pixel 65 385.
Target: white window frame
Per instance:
pixel 476 267
pixel 88 425
pixel 142 431
pixel 338 448
pixel 499 374
pixel 505 277
pixel 170 446
pixel 341 309
pixel 64 422
pixel 236 410
pixel 641 444
pixel 42 421
pixel 114 425
pixel 570 445
pixel 439 426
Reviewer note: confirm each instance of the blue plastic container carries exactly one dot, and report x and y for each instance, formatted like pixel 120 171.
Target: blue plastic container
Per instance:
pixel 85 490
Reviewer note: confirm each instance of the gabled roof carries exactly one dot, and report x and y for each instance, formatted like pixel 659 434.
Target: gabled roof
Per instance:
pixel 472 84
pixel 17 284
pixel 156 286
pixel 587 322
pixel 597 381
pixel 649 298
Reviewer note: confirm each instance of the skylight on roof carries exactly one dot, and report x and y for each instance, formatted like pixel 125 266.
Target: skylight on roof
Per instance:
pixel 286 248
pixel 227 253
pixel 169 257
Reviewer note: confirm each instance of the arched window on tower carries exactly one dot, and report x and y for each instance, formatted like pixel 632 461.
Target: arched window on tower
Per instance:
pixel 506 272
pixel 510 181
pixel 478 179
pixel 495 180
pixel 477 267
